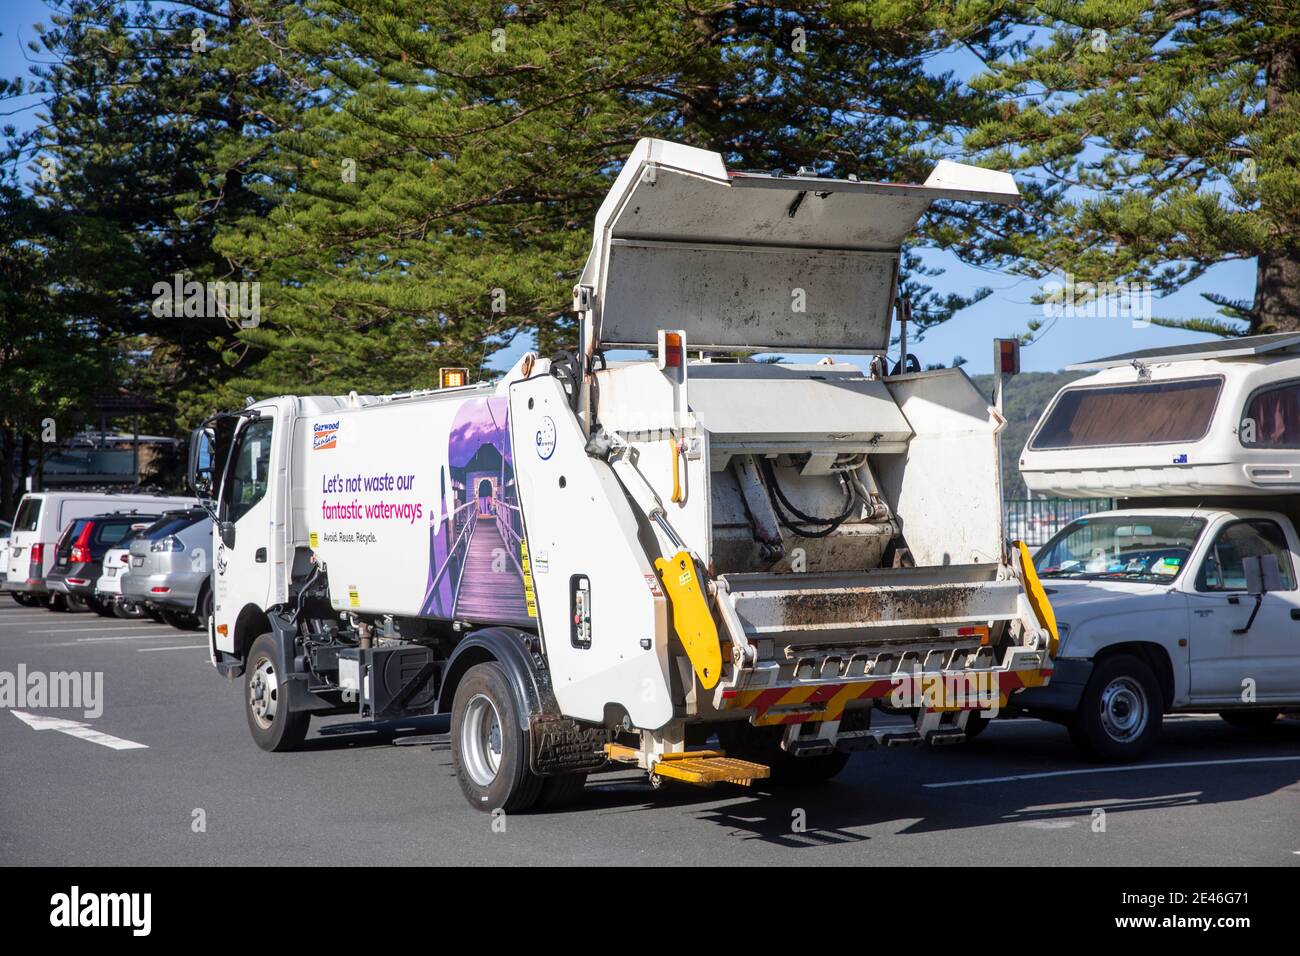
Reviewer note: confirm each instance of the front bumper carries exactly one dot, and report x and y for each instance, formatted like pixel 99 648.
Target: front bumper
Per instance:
pixel 182 588
pixel 1061 697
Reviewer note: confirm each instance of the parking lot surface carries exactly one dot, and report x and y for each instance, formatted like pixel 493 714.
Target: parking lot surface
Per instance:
pixel 168 775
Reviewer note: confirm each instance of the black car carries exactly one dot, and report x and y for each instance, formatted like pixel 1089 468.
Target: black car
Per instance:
pixel 79 555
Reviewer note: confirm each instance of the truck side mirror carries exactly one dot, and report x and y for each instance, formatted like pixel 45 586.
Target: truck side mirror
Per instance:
pixel 227 532
pixel 199 471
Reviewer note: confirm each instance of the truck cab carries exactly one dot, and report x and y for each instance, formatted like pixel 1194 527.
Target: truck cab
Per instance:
pixel 1185 599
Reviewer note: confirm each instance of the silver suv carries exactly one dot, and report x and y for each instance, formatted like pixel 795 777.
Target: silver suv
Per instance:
pixel 170 569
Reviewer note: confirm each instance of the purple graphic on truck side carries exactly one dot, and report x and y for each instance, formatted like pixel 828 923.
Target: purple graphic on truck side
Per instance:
pixel 475 558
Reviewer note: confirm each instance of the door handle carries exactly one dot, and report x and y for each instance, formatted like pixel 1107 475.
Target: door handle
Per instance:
pixel 260 555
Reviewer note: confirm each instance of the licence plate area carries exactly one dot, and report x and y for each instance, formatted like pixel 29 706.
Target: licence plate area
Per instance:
pixel 110 572
pixel 137 561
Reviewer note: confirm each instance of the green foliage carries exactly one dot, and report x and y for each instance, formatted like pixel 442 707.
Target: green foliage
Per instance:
pixel 1156 138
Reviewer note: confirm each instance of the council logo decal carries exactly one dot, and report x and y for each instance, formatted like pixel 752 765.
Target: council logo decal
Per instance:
pixel 325 435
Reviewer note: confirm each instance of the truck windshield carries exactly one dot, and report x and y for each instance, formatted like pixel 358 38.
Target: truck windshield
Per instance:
pixel 1143 548
pixel 1147 413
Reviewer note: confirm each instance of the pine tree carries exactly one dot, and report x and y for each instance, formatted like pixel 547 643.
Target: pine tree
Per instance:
pixel 1161 138
pixel 436 198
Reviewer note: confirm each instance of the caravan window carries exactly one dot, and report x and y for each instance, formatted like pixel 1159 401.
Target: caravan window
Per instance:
pixel 1145 413
pixel 1272 418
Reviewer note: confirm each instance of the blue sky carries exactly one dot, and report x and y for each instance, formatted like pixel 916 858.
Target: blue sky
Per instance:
pixel 970 334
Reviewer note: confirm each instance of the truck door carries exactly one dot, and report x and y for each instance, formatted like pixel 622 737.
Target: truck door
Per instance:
pixel 242 561
pixel 1224 663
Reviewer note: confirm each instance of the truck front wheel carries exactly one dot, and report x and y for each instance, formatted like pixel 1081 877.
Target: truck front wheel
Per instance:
pixel 1119 716
pixel 267 692
pixel 488 745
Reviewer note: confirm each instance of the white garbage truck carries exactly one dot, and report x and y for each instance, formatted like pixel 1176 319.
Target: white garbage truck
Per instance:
pixel 705 566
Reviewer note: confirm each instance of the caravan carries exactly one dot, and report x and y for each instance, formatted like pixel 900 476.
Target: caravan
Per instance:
pixel 1186 597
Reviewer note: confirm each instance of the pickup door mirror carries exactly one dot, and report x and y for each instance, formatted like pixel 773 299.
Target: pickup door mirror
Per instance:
pixel 1263 574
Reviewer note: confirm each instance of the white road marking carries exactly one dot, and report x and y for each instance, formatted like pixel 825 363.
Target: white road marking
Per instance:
pixel 175 647
pixel 162 628
pixel 1126 768
pixel 78 729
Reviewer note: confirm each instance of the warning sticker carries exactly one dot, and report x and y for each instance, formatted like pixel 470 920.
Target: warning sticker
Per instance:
pixel 354 599
pixel 314 538
pixel 530 595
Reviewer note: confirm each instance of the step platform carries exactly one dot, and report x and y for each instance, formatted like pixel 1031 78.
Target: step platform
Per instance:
pixel 703 768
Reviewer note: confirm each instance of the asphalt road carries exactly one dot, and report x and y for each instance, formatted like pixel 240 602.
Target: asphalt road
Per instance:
pixel 200 793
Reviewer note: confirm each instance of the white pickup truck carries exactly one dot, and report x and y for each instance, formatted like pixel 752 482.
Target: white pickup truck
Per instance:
pixel 1186 598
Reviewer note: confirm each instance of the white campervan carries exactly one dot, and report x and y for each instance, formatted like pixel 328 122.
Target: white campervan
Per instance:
pixel 1186 597
pixel 40 518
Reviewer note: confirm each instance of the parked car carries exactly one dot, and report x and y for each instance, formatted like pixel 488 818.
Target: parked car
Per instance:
pixel 115 567
pixel 5 529
pixel 170 565
pixel 42 516
pixel 80 551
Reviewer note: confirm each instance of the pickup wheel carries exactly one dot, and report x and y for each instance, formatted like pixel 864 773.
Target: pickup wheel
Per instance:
pixel 489 749
pixel 275 727
pixel 1119 717
pixel 1250 718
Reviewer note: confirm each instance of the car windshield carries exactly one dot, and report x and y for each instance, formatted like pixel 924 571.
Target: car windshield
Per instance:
pixel 1143 548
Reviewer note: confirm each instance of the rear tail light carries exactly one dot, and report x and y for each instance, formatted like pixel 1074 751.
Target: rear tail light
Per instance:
pixel 169 543
pixel 81 547
pixel 126 558
pixel 160 590
pixel 37 559
pixel 78 582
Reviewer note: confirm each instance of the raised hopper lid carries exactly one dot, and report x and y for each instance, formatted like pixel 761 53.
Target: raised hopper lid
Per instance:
pixel 681 242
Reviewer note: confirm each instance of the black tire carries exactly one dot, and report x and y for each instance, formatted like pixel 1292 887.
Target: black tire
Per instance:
pixel 1250 719
pixel 976 724
pixel 25 600
pixel 205 609
pixel 283 728
pixel 1121 711
pixel 762 745
pixel 102 608
pixel 57 602
pixel 129 612
pixel 560 790
pixel 180 620
pixel 153 612
pixel 484 700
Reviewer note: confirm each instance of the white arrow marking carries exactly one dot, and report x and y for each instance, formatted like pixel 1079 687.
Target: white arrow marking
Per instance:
pixel 75 728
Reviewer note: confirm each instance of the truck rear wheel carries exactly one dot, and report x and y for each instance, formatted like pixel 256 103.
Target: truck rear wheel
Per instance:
pixel 1119 717
pixel 267 695
pixel 488 746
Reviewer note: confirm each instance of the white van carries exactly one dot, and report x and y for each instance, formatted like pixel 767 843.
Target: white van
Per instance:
pixel 40 518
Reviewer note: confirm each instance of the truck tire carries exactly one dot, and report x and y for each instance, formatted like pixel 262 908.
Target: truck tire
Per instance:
pixel 488 748
pixel 1120 713
pixel 1250 719
pixel 275 727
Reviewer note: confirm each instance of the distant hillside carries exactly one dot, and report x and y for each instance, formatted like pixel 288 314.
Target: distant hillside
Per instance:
pixel 1026 396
